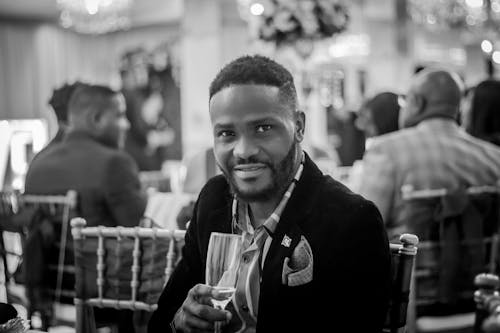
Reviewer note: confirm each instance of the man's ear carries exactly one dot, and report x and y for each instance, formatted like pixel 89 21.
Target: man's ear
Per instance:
pixel 94 119
pixel 300 125
pixel 420 104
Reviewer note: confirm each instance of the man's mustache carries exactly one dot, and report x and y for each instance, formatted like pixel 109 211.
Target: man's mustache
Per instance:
pixel 251 160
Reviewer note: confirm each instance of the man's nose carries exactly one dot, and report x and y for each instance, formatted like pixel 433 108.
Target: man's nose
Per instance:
pixel 245 148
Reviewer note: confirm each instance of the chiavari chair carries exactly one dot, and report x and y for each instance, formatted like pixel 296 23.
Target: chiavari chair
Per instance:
pixel 458 234
pixel 121 268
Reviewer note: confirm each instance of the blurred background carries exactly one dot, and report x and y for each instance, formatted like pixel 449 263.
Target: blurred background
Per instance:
pixel 166 52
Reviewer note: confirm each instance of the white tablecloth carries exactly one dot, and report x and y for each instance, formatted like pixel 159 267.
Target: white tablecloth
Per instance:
pixel 163 208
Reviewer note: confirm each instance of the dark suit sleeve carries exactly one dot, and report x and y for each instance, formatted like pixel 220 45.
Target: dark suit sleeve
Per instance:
pixel 123 194
pixel 187 273
pixel 364 272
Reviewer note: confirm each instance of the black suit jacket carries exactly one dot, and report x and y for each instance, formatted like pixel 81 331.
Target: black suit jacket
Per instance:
pixel 351 276
pixel 106 179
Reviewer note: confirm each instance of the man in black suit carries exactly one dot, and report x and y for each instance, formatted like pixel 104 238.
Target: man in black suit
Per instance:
pixel 316 255
pixel 88 160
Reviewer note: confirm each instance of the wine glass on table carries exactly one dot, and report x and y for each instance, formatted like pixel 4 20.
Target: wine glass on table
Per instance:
pixel 223 258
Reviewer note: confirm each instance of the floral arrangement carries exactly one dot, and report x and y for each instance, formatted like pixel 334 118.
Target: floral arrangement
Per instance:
pixel 287 21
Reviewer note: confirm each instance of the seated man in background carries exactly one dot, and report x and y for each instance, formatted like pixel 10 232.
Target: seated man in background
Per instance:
pixel 89 161
pixel 431 152
pixel 305 234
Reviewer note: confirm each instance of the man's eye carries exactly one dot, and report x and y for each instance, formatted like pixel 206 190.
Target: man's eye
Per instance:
pixel 263 128
pixel 225 134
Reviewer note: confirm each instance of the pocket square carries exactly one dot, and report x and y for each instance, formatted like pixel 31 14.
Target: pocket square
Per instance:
pixel 298 269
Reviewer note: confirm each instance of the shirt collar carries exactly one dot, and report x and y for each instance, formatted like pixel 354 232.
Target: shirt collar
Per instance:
pixel 241 210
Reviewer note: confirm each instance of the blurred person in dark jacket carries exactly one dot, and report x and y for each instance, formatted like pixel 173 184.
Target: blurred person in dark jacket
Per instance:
pixel 88 160
pixel 482 118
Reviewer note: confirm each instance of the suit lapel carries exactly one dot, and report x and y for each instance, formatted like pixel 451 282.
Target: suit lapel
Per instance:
pixel 288 231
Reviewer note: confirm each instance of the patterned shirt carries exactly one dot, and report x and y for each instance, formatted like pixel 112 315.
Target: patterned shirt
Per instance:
pixel 256 244
pixel 437 153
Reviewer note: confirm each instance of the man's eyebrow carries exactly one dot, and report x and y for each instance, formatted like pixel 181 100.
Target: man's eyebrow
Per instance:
pixel 263 120
pixel 222 125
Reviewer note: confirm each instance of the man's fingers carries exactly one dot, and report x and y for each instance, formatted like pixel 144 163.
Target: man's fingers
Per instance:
pixel 198 313
pixel 206 312
pixel 198 323
pixel 200 290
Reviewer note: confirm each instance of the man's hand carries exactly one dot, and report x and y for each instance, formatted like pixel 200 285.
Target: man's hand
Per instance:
pixel 197 313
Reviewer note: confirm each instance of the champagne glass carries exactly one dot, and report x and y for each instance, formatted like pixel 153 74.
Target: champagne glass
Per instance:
pixel 223 258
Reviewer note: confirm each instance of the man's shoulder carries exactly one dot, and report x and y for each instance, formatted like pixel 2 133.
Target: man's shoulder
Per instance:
pixel 484 145
pixel 399 138
pixel 335 195
pixel 346 212
pixel 215 192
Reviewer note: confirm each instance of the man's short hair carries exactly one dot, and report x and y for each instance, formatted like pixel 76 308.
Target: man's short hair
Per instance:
pixel 256 69
pixel 60 100
pixel 90 97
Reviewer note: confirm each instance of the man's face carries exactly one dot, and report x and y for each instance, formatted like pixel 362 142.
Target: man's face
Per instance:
pixel 408 111
pixel 255 140
pixel 113 123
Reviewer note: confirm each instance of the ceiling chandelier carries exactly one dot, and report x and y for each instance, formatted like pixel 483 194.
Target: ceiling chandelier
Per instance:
pixel 95 16
pixel 471 15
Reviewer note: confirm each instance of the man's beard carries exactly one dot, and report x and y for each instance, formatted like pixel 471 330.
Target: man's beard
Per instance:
pixel 281 176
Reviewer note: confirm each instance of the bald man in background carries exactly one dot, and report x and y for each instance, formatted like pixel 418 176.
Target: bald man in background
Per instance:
pixel 429 152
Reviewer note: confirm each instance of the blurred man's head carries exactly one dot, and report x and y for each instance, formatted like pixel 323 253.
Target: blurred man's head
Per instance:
pixel 379 115
pixel 100 112
pixel 60 99
pixel 256 126
pixel 432 94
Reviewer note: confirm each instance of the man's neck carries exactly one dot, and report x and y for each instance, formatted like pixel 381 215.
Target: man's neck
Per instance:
pixel 261 210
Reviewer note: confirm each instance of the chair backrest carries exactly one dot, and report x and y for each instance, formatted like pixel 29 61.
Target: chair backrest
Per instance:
pixel 487 301
pixel 121 268
pixel 458 234
pixel 41 224
pixel 402 259
pixel 58 209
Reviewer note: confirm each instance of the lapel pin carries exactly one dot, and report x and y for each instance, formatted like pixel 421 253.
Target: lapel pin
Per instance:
pixel 286 241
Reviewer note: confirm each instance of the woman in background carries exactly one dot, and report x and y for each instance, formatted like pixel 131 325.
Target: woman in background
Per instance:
pixel 379 115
